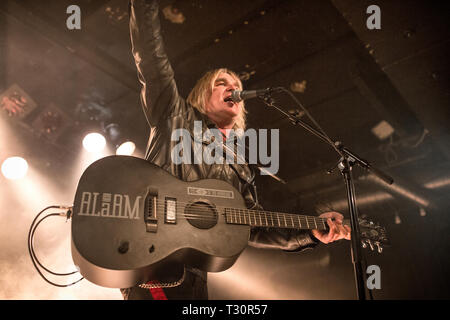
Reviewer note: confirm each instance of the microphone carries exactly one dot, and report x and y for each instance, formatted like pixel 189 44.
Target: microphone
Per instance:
pixel 238 96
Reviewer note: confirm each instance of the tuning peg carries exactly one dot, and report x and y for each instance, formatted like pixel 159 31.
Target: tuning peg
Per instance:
pixel 379 247
pixel 370 244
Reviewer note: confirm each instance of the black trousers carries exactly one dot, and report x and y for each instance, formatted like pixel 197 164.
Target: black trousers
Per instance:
pixel 194 287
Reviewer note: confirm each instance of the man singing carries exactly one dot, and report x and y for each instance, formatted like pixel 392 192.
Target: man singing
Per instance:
pixel 166 111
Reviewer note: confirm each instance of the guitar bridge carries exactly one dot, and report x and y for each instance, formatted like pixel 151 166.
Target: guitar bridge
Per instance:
pixel 151 210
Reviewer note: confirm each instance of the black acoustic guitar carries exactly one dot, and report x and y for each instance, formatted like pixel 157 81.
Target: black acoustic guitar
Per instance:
pixel 133 222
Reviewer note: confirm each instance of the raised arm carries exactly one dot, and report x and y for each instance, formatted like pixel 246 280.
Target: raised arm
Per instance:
pixel 159 94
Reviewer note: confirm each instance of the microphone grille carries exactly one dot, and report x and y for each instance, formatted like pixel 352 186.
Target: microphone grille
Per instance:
pixel 236 95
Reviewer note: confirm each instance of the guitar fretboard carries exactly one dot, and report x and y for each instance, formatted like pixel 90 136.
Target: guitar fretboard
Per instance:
pixel 259 218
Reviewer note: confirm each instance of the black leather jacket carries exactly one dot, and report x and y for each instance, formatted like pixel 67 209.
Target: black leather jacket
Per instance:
pixel 166 111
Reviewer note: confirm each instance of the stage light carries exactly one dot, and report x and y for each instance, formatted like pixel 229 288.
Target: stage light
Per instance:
pixel 362 200
pixel 14 168
pixel 399 189
pixel 127 148
pixel 94 142
pixel 422 212
pixel 16 103
pixel 173 14
pixel 383 130
pixel 298 86
pixel 397 219
pixel 51 123
pixel 438 183
pixel 118 138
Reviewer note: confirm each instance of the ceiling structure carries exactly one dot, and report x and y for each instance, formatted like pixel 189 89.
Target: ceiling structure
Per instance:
pixel 349 78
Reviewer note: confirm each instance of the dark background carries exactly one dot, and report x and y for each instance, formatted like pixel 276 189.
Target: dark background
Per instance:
pixel 352 79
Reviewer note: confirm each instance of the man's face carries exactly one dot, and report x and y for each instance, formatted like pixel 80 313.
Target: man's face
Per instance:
pixel 221 112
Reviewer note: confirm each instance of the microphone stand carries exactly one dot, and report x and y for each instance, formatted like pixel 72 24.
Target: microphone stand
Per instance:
pixel 346 162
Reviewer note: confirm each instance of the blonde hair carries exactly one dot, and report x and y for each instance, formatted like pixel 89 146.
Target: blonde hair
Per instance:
pixel 203 89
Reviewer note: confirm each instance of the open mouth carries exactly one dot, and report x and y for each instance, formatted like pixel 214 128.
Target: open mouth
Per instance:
pixel 229 102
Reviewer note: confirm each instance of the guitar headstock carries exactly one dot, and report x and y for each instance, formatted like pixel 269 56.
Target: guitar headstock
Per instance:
pixel 372 235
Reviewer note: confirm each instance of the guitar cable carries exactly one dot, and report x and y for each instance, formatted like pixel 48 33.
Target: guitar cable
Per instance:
pixel 34 259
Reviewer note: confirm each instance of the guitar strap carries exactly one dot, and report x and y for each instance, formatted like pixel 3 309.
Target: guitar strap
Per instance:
pixel 244 158
pixel 157 293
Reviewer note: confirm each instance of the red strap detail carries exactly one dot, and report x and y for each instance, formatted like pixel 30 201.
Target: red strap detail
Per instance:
pixel 157 293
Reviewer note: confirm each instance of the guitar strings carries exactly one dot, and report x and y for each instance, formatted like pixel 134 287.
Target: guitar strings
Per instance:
pixel 199 213
pixel 162 205
pixel 241 211
pixel 288 223
pixel 244 214
pixel 259 221
pixel 270 219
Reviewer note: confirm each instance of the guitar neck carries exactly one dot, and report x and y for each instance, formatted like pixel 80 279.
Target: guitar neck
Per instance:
pixel 259 218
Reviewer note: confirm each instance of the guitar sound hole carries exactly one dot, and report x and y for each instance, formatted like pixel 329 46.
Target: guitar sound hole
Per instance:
pixel 201 215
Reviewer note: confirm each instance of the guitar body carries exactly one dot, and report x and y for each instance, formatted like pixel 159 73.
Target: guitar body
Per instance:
pixel 133 222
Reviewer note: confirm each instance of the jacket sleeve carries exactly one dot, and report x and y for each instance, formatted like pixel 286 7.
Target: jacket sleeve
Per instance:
pixel 287 240
pixel 272 238
pixel 159 94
